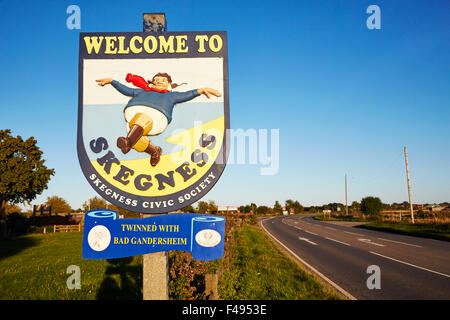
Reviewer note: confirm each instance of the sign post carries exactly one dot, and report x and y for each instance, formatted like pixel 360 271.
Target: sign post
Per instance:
pixel 153 120
pixel 155 266
pixel 155 276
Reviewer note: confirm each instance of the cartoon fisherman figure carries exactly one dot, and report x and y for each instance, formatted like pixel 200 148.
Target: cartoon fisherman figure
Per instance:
pixel 149 111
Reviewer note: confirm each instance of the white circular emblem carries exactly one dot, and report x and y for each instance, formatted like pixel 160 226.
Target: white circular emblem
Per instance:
pixel 99 238
pixel 208 238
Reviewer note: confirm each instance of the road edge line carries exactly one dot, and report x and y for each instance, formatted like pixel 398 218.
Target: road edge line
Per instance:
pixel 334 285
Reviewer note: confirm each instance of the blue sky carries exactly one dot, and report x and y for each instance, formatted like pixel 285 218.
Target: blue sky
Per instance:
pixel 345 99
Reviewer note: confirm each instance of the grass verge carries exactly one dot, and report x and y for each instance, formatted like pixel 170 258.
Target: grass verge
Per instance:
pixel 438 231
pixel 340 218
pixel 262 271
pixel 34 267
pixel 424 230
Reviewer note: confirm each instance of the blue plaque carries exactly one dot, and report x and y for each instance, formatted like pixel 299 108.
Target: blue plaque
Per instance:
pixel 106 237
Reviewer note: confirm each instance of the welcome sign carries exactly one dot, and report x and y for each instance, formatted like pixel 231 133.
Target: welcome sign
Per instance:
pixel 153 116
pixel 106 237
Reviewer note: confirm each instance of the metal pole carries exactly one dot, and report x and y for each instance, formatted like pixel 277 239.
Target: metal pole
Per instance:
pixel 409 187
pixel 155 271
pixel 154 22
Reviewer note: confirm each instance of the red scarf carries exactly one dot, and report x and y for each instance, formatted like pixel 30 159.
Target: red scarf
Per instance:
pixel 140 82
pixel 153 89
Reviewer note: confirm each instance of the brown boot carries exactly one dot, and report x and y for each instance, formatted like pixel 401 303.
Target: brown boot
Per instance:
pixel 155 153
pixel 133 136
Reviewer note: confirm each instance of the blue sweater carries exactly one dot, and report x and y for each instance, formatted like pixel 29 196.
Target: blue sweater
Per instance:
pixel 163 102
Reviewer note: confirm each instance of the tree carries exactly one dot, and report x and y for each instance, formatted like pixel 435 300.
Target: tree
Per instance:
pixel 59 205
pixel 188 209
pixel 313 209
pixel 262 210
pixel 355 206
pixel 212 207
pixel 371 206
pixel 202 207
pixel 289 204
pixel 335 206
pixel 277 207
pixel 100 203
pixel 244 209
pixel 121 212
pixel 22 171
pixel 11 208
pixel 294 206
pixel 298 208
pixel 95 203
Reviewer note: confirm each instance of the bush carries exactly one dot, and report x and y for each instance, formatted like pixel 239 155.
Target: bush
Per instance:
pixel 371 206
pixel 421 214
pixel 17 224
pixel 40 229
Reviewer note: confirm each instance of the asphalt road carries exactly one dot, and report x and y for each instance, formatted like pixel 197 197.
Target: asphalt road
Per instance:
pixel 410 267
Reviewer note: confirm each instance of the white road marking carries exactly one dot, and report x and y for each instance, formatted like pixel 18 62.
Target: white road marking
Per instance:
pixel 370 241
pixel 307 240
pixel 311 232
pixel 331 228
pixel 345 293
pixel 356 234
pixel 408 244
pixel 337 241
pixel 410 264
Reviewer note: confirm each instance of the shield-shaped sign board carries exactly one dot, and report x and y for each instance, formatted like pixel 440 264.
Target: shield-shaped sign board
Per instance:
pixel 153 116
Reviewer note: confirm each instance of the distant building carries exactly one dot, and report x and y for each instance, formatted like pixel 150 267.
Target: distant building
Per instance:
pixel 77 216
pixel 42 209
pixel 227 210
pixel 434 207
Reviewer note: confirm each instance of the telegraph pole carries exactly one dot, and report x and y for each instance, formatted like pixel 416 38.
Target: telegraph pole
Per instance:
pixel 409 187
pixel 346 206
